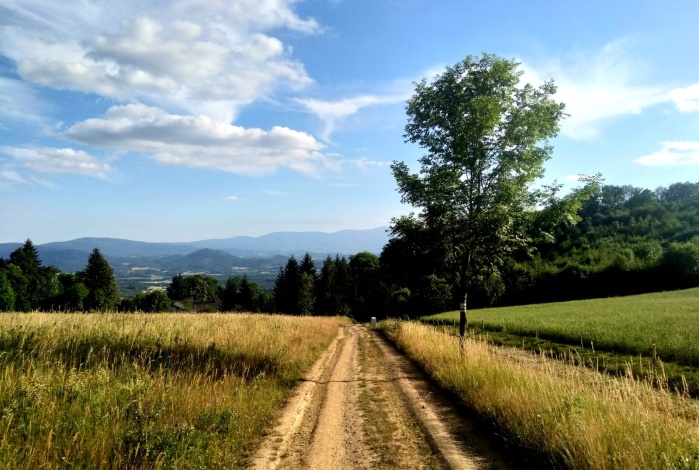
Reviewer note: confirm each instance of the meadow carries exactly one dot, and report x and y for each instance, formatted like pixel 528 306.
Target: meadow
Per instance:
pixel 625 325
pixel 572 416
pixel 147 390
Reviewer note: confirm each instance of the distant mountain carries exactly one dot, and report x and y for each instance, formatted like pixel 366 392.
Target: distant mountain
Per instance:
pixel 297 243
pixel 258 253
pixel 122 248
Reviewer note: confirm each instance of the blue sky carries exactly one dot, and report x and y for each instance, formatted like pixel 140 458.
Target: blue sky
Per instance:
pixel 191 119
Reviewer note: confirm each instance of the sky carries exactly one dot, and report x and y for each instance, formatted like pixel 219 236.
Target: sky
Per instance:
pixel 183 120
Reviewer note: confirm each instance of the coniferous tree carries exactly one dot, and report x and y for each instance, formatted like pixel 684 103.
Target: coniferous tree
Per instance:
pixel 287 287
pixel 230 296
pixel 324 286
pixel 98 277
pixel 339 291
pixel 306 298
pixel 307 266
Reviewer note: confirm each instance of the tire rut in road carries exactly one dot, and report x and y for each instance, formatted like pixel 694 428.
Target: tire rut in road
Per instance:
pixel 363 405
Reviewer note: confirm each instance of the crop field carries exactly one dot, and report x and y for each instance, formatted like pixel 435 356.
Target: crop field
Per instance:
pixel 572 416
pixel 146 391
pixel 626 325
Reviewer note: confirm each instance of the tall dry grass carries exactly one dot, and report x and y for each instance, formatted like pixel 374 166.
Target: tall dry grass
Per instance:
pixel 146 391
pixel 576 417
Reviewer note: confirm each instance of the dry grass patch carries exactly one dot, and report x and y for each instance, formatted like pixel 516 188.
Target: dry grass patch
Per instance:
pixel 146 391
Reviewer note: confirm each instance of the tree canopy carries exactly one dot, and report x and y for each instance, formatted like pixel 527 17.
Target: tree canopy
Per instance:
pixel 486 137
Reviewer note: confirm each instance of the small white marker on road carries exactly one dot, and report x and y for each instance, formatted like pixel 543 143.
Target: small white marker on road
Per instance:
pixel 373 323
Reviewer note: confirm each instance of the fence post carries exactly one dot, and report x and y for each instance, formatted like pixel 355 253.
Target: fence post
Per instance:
pixel 463 323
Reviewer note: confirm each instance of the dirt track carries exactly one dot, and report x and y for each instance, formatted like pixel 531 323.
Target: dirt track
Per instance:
pixel 363 405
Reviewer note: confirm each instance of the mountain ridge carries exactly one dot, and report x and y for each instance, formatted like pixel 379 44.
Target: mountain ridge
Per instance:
pixel 342 242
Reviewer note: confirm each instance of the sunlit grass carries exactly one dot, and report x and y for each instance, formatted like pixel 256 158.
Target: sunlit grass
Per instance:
pixel 578 418
pixel 629 325
pixel 146 391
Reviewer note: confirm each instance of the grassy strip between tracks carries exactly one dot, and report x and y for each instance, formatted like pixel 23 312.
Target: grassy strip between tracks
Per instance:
pixel 577 417
pixel 146 391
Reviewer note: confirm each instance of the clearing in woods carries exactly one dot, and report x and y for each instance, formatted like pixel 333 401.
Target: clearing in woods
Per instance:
pixel 363 405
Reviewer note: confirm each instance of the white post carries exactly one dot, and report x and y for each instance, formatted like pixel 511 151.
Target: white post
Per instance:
pixel 373 323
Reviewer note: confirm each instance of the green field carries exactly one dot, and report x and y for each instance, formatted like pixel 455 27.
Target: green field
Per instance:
pixel 146 391
pixel 624 325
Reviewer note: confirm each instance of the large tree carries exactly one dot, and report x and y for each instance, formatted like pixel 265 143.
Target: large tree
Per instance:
pixel 486 137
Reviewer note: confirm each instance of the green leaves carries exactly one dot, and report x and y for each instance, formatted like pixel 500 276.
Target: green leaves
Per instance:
pixel 486 140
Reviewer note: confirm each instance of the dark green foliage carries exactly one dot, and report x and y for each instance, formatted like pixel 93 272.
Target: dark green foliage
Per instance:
pixel 98 277
pixel 306 295
pixel 241 295
pixel 433 295
pixel 20 287
pixel 7 295
pixel 365 287
pixel 34 287
pixel 629 241
pixel 149 302
pixel 333 286
pixel 195 288
pixel 287 287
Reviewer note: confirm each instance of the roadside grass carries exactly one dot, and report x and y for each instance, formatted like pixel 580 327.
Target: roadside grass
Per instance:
pixel 610 335
pixel 147 391
pixel 578 418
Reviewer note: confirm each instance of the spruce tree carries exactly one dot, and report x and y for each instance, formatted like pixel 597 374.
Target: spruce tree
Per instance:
pixel 287 287
pixel 98 277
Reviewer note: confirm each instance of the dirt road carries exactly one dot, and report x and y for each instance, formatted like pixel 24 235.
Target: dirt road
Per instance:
pixel 363 405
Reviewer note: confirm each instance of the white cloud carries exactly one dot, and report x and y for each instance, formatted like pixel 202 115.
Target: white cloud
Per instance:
pixel 673 154
pixel 330 112
pixel 201 142
pixel 53 160
pixel 20 103
pixel 204 57
pixel 231 198
pixel 686 99
pixel 597 88
pixel 11 176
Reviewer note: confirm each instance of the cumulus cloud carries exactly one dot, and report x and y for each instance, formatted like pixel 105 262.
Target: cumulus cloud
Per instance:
pixel 597 88
pixel 686 99
pixel 54 160
pixel 203 57
pixel 673 154
pixel 200 141
pixel 330 112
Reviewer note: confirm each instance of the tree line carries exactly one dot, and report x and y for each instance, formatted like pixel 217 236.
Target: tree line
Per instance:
pixel 26 285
